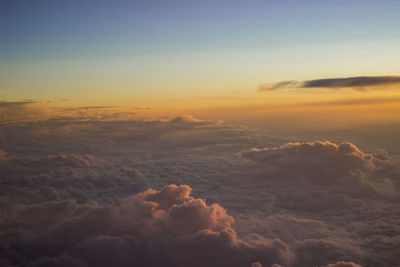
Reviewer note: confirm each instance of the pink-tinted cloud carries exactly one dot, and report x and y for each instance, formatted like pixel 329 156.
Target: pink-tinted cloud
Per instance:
pixel 168 227
pixel 320 162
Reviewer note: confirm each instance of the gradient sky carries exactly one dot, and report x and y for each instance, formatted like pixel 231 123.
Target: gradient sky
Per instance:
pixel 111 52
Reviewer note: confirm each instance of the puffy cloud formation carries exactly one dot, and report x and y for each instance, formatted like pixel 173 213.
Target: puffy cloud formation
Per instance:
pixel 33 179
pixel 320 162
pixel 171 211
pixel 331 190
pixel 75 192
pixel 153 228
pixel 358 83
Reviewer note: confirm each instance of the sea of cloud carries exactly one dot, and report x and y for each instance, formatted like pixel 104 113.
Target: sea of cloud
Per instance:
pixel 187 192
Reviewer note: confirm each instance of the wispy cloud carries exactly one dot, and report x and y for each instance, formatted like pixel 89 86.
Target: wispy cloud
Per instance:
pixel 280 85
pixel 16 103
pixel 357 83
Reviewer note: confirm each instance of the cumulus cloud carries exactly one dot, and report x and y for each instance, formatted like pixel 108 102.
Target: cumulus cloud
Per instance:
pixel 31 179
pixel 358 83
pixel 324 192
pixel 320 162
pixel 167 227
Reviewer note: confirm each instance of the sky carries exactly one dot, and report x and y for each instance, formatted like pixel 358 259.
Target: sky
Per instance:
pixel 151 52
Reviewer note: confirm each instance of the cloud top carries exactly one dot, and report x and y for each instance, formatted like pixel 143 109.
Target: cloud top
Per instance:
pixel 166 227
pixel 320 162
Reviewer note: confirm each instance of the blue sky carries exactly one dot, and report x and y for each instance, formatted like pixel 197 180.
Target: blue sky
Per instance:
pixel 33 29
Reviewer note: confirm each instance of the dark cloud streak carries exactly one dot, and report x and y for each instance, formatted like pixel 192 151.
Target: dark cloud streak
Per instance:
pixel 16 103
pixel 357 83
pixel 354 82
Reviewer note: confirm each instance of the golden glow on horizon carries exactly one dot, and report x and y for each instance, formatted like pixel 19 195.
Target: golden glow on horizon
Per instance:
pixel 313 108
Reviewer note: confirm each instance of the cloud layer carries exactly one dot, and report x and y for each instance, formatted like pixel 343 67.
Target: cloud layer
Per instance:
pixel 119 193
